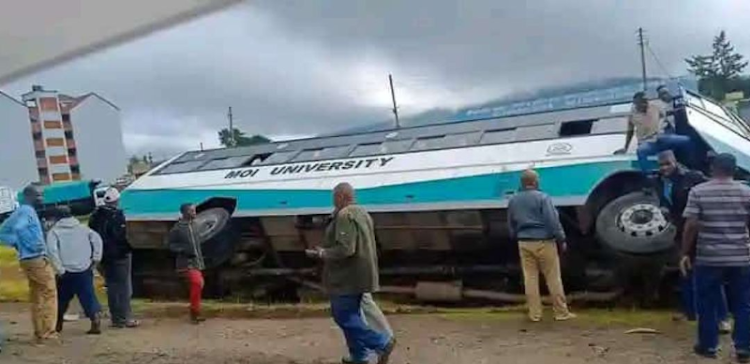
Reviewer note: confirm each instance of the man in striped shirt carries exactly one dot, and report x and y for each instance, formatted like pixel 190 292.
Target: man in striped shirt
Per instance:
pixel 716 225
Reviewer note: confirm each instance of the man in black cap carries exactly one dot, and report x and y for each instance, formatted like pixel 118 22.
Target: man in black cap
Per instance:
pixel 716 226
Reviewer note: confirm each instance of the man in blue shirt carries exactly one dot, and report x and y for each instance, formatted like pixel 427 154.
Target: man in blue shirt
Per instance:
pixel 23 231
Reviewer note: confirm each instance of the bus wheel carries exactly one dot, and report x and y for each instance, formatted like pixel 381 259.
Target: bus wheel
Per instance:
pixel 634 224
pixel 217 235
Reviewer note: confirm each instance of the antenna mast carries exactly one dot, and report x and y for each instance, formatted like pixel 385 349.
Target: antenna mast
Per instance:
pixel 393 97
pixel 231 129
pixel 642 45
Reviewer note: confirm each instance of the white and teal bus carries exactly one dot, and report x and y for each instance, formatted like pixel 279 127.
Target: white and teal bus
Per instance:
pixel 437 194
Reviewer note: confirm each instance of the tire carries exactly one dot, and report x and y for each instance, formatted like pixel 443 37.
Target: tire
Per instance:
pixel 217 235
pixel 634 224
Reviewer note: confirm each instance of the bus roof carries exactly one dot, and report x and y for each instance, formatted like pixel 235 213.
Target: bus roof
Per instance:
pixel 534 126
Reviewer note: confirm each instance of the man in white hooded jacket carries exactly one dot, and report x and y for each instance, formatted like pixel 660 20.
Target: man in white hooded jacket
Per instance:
pixel 74 251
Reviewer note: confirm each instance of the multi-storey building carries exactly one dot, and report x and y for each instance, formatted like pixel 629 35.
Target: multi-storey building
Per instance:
pixel 71 138
pixel 18 166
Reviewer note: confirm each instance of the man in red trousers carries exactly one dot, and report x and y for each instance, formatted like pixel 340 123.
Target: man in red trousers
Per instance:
pixel 184 243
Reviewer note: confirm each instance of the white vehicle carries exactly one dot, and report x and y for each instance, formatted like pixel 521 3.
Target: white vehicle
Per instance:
pixel 437 194
pixel 8 202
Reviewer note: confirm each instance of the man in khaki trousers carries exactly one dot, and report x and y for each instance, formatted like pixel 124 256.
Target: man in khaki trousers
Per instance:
pixel 23 231
pixel 534 222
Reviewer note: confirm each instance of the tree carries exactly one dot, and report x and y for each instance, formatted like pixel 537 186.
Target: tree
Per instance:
pixel 718 72
pixel 240 139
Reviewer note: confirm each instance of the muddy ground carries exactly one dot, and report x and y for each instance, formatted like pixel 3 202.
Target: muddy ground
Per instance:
pixel 455 337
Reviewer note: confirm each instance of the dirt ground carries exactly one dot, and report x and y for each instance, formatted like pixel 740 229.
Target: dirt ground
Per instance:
pixel 465 337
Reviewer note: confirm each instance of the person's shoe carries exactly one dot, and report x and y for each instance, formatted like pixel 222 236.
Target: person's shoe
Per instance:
pixel 71 317
pixel 566 317
pixel 743 357
pixel 96 326
pixel 725 327
pixel 385 356
pixel 350 361
pixel 126 325
pixel 706 353
pixel 196 318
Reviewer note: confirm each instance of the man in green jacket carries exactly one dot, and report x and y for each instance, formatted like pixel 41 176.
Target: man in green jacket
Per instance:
pixel 351 270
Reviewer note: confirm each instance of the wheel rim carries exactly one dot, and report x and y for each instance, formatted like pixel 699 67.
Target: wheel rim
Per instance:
pixel 206 224
pixel 642 220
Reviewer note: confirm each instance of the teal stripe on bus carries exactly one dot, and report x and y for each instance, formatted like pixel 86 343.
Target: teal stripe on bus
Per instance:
pixel 561 182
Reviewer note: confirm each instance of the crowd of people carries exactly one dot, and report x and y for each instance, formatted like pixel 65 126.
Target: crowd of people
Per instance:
pixel 711 217
pixel 60 263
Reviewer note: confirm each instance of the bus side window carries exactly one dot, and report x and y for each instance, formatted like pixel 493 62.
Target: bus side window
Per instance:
pixel 578 127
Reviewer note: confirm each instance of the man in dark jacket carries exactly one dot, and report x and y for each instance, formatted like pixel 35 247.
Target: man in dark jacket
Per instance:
pixel 184 243
pixel 673 186
pixel 350 270
pixel 109 222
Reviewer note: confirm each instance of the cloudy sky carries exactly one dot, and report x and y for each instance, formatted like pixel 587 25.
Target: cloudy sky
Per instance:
pixel 292 68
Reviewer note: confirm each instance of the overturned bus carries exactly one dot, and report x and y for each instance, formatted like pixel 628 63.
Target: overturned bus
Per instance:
pixel 437 194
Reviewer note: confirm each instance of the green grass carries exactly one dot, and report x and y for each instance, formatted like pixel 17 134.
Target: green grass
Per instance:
pixel 13 285
pixel 7 256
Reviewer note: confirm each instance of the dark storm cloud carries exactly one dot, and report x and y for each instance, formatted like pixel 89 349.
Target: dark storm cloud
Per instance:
pixel 305 67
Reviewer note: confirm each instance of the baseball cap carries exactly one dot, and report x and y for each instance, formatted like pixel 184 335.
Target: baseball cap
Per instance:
pixel 112 195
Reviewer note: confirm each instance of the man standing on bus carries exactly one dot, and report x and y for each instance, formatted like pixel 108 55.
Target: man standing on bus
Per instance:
pixel 716 226
pixel 184 243
pixel 672 186
pixel 23 231
pixel 534 222
pixel 665 102
pixel 109 222
pixel 647 122
pixel 351 270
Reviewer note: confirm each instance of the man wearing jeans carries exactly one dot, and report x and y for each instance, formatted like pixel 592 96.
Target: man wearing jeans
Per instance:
pixel 74 251
pixel 350 271
pixel 23 231
pixel 716 225
pixel 109 222
pixel 534 222
pixel 648 123
pixel 672 186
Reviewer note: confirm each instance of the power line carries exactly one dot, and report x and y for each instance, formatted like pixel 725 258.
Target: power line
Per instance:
pixel 658 61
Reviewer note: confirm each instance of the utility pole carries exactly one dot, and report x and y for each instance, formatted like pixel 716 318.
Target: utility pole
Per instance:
pixel 642 45
pixel 393 97
pixel 231 129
